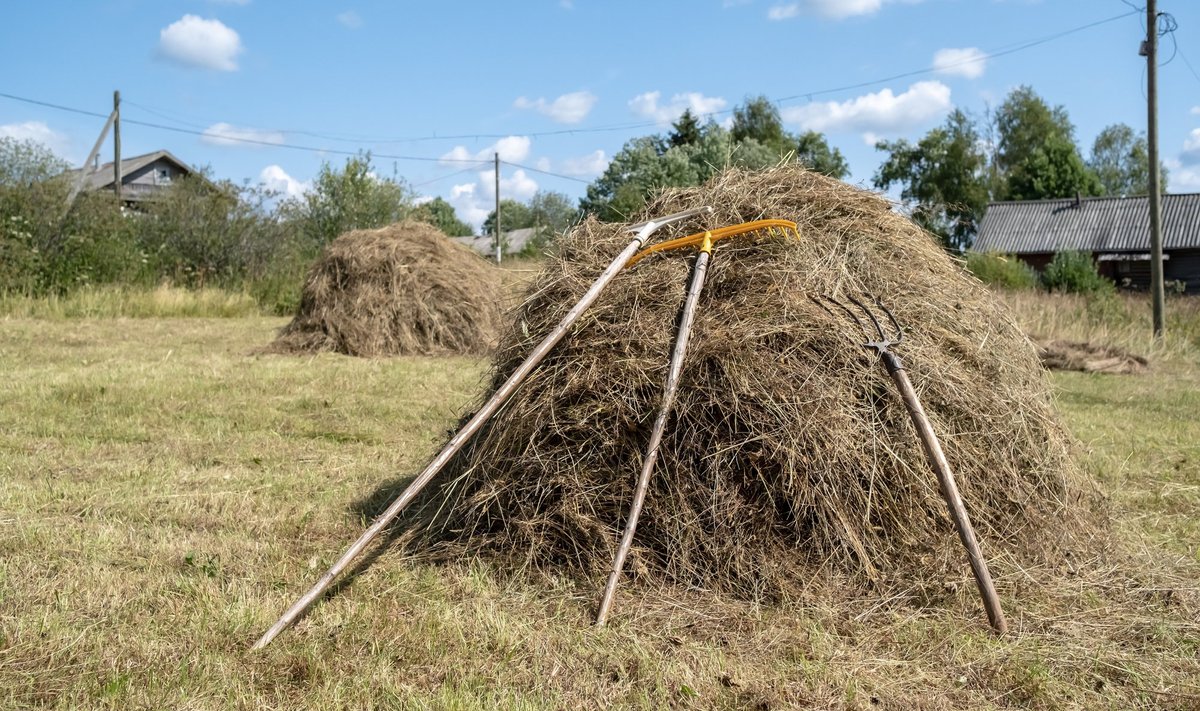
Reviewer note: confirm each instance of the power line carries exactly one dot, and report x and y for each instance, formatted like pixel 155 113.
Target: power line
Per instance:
pixel 208 133
pixel 1189 65
pixel 468 169
pixel 238 139
pixel 545 172
pixel 1010 49
pixel 999 52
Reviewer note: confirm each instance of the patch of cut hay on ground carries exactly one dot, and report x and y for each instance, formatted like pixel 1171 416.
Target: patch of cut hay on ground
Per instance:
pixel 790 454
pixel 1090 358
pixel 405 289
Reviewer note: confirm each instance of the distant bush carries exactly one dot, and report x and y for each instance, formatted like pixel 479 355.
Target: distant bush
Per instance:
pixel 1075 272
pixel 1003 270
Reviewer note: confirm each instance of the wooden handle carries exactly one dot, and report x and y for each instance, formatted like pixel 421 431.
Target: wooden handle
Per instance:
pixel 958 512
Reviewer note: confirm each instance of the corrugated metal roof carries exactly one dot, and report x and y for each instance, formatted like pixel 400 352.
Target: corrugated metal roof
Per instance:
pixel 1109 224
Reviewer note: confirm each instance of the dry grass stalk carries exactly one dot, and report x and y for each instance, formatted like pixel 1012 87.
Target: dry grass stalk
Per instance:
pixel 1090 358
pixel 405 289
pixel 790 455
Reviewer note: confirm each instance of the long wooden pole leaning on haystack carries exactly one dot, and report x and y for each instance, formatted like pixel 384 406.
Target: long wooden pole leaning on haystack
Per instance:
pixel 497 400
pixel 660 425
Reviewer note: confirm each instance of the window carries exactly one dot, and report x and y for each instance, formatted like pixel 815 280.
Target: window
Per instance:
pixel 164 176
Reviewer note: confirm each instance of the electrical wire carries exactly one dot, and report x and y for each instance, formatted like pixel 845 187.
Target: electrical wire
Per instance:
pixel 238 139
pixel 1189 65
pixel 468 169
pixel 999 52
pixel 546 172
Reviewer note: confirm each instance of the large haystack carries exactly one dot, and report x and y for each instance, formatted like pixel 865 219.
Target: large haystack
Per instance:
pixel 405 289
pixel 790 453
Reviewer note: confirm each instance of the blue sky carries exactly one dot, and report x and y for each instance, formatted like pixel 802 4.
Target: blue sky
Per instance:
pixel 559 85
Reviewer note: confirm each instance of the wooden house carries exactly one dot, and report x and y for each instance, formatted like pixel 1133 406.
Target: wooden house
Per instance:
pixel 1115 230
pixel 142 177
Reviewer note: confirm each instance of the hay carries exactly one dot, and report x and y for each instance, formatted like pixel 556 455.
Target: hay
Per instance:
pixel 790 454
pixel 405 289
pixel 1089 357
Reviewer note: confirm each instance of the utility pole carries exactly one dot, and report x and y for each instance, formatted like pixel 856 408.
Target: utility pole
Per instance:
pixel 117 145
pixel 499 239
pixel 1150 49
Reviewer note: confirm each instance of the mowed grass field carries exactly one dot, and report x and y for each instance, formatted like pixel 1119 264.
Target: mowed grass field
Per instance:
pixel 165 494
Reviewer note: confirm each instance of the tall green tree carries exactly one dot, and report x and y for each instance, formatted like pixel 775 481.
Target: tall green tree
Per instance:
pixel 1054 170
pixel 1024 122
pixel 758 120
pixel 646 165
pixel 1121 161
pixel 814 152
pixel 352 197
pixel 1036 157
pixel 943 177
pixel 513 216
pixel 441 214
pixel 552 212
pixel 685 131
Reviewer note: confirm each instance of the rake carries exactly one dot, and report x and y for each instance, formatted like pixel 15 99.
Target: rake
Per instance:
pixel 704 242
pixel 879 341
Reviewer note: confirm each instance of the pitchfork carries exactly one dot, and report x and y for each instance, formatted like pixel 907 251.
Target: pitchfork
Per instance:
pixel 933 449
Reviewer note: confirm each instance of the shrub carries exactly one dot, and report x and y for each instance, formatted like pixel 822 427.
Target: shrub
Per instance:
pixel 1003 270
pixel 1075 272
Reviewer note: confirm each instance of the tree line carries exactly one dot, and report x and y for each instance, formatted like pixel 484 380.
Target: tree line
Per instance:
pixel 1023 150
pixel 204 231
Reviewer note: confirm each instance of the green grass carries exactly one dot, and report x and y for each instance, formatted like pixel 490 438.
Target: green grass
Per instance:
pixel 164 495
pixel 131 302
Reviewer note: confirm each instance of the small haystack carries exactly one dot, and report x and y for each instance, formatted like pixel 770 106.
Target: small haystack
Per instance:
pixel 405 289
pixel 1090 358
pixel 789 452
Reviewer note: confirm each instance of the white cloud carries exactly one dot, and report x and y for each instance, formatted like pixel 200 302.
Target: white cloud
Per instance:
pixel 591 164
pixel 829 9
pixel 568 108
pixel 195 42
pixel 966 62
pixel 1195 111
pixel 224 134
pixel 518 186
pixel 276 179
pixel 473 202
pixel 350 19
pixel 647 105
pixel 1190 155
pixel 36 131
pixel 880 112
pixel 513 149
pixel 1183 178
pixel 783 12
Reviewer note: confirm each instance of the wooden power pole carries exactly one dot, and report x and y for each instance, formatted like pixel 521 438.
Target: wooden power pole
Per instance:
pixel 1156 254
pixel 116 112
pixel 499 239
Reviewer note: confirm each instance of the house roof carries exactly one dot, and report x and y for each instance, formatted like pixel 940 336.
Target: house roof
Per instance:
pixel 1108 224
pixel 102 177
pixel 514 241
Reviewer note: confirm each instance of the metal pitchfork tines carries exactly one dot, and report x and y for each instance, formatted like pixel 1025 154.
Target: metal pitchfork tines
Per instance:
pixel 879 341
